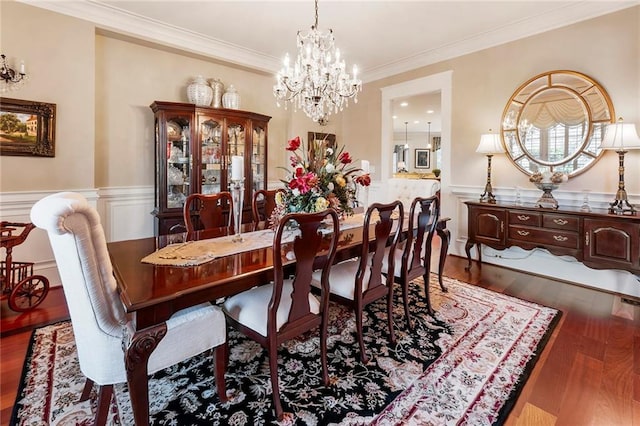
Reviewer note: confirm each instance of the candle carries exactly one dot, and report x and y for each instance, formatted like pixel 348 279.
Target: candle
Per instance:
pixel 22 68
pixel 237 167
pixel 364 165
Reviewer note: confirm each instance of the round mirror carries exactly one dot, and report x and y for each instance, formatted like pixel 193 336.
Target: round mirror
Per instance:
pixel 556 121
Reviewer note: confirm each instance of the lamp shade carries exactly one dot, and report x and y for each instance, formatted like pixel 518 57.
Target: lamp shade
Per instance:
pixel 490 144
pixel 621 136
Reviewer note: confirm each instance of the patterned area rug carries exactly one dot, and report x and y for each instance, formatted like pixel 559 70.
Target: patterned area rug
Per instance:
pixel 467 365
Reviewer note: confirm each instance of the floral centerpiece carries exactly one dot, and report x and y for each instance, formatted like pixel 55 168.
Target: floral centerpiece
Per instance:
pixel 321 177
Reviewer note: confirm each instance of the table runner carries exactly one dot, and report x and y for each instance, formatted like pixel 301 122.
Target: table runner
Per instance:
pixel 193 253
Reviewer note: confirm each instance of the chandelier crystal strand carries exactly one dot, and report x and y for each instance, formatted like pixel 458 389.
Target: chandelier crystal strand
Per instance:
pixel 317 82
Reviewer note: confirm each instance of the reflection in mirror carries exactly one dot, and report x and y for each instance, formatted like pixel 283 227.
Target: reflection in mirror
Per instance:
pixel 556 122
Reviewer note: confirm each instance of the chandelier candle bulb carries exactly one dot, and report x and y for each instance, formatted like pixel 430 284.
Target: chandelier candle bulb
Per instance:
pixel 237 167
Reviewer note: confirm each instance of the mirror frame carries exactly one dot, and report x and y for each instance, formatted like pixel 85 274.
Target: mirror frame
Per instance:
pixel 556 80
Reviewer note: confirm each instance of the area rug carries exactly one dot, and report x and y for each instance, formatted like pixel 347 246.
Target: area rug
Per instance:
pixel 465 365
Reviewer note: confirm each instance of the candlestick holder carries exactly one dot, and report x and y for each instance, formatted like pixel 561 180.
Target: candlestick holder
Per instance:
pixel 237 197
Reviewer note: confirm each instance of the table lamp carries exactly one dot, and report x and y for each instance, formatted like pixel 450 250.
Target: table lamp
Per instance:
pixel 489 145
pixel 621 137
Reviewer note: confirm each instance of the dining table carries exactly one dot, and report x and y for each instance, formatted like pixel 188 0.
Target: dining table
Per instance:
pixel 154 282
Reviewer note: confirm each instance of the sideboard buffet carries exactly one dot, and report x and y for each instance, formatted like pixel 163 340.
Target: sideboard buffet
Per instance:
pixel 193 150
pixel 597 239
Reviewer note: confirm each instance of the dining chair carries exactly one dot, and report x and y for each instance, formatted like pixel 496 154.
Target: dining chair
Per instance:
pixel 100 324
pixel 285 308
pixel 356 283
pixel 412 257
pixel 208 211
pixel 263 204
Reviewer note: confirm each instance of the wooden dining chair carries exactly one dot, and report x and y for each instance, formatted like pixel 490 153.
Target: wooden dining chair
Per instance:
pixel 356 283
pixel 412 258
pixel 101 326
pixel 263 204
pixel 208 211
pixel 285 308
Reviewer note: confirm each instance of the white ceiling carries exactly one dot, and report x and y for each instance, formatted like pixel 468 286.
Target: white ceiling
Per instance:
pixel 382 38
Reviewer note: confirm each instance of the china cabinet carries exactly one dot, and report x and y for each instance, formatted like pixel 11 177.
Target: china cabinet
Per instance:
pixel 193 151
pixel 598 239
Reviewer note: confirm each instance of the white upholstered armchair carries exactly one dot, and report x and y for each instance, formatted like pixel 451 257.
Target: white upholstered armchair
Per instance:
pixel 100 324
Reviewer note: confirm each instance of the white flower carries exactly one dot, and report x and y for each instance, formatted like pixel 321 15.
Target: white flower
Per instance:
pixel 330 186
pixel 329 151
pixel 295 192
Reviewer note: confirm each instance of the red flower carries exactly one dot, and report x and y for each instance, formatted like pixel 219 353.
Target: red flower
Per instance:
pixel 303 183
pixel 364 180
pixel 344 158
pixel 293 144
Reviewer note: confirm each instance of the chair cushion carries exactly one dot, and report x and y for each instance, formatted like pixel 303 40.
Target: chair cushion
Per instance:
pixel 250 307
pixel 342 279
pixel 190 331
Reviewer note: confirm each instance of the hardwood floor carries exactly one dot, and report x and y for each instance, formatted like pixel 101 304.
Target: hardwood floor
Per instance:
pixel 588 374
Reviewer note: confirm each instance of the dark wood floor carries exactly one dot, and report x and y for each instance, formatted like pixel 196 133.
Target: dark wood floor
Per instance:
pixel 588 374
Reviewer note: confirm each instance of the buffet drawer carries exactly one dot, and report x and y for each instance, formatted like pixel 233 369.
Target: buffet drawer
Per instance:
pixel 525 218
pixel 550 237
pixel 558 221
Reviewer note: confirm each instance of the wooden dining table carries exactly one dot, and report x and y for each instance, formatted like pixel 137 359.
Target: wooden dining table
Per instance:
pixel 154 293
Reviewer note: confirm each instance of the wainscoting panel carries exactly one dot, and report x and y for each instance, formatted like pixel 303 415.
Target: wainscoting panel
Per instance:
pixel 126 212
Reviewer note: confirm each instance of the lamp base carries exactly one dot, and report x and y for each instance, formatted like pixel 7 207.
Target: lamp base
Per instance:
pixel 487 197
pixel 621 206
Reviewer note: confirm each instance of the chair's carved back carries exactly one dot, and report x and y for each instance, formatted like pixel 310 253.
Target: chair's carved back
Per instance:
pixel 312 251
pixel 386 229
pixel 263 204
pixel 423 219
pixel 208 211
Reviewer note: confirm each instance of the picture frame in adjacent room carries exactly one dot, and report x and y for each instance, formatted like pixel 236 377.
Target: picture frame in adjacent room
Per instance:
pixel 422 158
pixel 27 128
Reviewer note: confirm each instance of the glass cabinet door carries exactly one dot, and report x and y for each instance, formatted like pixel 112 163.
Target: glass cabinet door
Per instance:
pixel 178 160
pixel 258 158
pixel 210 134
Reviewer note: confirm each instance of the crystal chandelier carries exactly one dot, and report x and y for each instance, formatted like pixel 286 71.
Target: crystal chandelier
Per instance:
pixel 317 83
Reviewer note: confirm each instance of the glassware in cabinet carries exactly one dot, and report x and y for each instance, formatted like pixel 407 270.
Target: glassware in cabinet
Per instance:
pixel 258 160
pixel 210 134
pixel 178 159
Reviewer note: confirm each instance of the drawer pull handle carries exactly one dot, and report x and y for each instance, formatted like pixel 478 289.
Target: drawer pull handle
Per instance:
pixel 561 238
pixel 523 233
pixel 523 217
pixel 561 222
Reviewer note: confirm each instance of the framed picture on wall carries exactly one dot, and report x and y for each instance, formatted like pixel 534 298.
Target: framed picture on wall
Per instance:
pixel 318 143
pixel 422 158
pixel 27 128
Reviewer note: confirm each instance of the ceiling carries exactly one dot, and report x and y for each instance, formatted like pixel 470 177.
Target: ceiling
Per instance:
pixel 382 38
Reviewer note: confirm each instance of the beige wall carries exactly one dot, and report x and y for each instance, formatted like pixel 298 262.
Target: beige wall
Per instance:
pixel 103 86
pixel 130 76
pixel 606 48
pixel 59 55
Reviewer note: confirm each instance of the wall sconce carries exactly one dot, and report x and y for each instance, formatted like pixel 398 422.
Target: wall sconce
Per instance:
pixel 11 79
pixel 489 145
pixel 621 137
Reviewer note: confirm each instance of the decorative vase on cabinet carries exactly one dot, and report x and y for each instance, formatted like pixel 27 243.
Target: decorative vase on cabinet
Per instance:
pixel 193 151
pixel 218 91
pixel 199 92
pixel 231 98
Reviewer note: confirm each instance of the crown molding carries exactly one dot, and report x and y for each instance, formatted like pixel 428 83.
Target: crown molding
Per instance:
pixel 119 21
pixel 130 24
pixel 561 17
